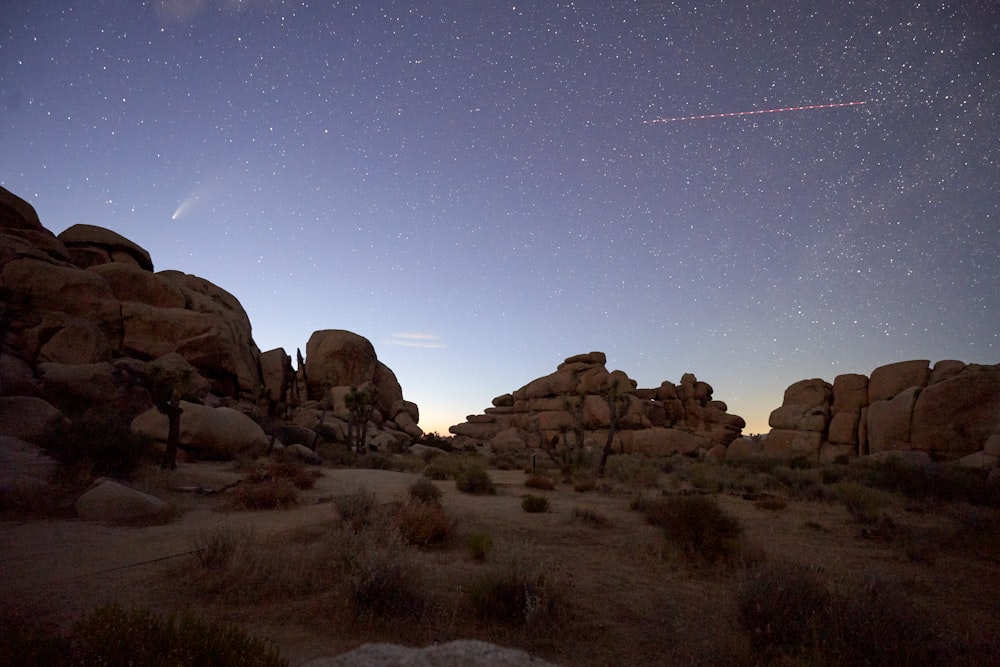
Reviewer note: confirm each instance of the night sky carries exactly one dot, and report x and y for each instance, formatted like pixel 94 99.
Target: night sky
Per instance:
pixel 477 188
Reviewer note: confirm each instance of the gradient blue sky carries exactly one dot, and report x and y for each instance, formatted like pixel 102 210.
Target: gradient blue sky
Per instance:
pixel 474 186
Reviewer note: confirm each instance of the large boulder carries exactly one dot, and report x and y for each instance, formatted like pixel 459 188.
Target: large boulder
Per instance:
pixel 211 433
pixel 888 381
pixel 957 416
pixel 662 441
pixel 338 358
pixel 850 393
pixel 889 422
pixel 110 502
pixel 29 418
pixel 89 245
pixel 129 282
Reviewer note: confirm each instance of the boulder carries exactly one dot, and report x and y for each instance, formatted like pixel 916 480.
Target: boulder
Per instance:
pixel 16 213
pixel 741 449
pixel 129 282
pixel 16 378
pixel 89 243
pixel 276 373
pixel 406 424
pixel 110 502
pixel 511 439
pixel 800 417
pixel 19 458
pixel 844 428
pixel 459 653
pixel 788 445
pixel 662 441
pixel 850 393
pixel 211 433
pixel 69 339
pixel 957 416
pixel 335 358
pixel 69 385
pixel 945 369
pixel 888 381
pixel 29 418
pixel 889 422
pixel 808 393
pixel 388 392
pixel 302 453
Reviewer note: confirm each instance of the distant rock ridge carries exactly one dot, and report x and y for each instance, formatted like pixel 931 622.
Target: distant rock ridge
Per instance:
pixel 681 418
pixel 83 316
pixel 946 412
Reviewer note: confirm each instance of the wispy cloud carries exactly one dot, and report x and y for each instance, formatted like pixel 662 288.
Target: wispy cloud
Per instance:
pixel 424 340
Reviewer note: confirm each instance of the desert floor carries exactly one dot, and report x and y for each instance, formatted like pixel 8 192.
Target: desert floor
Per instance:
pixel 627 599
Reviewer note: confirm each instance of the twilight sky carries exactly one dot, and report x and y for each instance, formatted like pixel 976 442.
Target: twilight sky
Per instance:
pixel 477 188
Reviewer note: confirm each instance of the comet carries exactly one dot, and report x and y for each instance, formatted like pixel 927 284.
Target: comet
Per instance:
pixel 731 114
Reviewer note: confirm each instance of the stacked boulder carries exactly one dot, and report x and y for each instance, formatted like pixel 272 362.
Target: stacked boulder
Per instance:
pixel 85 322
pixel 580 395
pixel 947 412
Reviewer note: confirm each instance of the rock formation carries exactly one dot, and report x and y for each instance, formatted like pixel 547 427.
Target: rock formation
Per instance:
pixel 84 319
pixel 949 412
pixel 576 401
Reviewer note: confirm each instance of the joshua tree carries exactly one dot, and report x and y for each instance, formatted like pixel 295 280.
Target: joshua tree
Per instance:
pixel 167 389
pixel 617 405
pixel 360 404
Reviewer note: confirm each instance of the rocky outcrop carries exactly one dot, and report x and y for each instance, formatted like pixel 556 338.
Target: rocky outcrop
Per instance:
pixel 575 403
pixel 85 323
pixel 949 412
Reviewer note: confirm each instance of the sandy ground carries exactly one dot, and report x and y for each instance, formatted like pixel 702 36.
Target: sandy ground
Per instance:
pixel 630 604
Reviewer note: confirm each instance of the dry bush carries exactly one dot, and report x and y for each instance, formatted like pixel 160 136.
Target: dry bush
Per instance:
pixel 294 471
pixel 476 481
pixel 634 470
pixel 780 607
pixel 263 494
pixel 584 481
pixel 380 576
pixel 769 502
pixel 517 589
pixel 480 545
pixel 700 529
pixel 534 504
pixel 217 548
pixel 425 491
pixel 356 509
pixel 589 517
pixel 540 482
pixel 111 635
pixel 865 505
pixel 425 524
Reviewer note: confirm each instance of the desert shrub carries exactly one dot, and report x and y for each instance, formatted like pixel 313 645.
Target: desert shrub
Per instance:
pixel 436 440
pixel 104 438
pixel 634 470
pixel 293 470
pixel 792 611
pixel 939 482
pixel 336 454
pixel 110 635
pixel 425 491
pixel 516 589
pixel 780 607
pixel 540 482
pixel 699 527
pixel 25 639
pixel 864 504
pixel 425 523
pixel 589 517
pixel 534 504
pixel 374 461
pixel 769 502
pixel 583 481
pixel 263 494
pixel 356 509
pixel 216 548
pixel 506 461
pixel 381 578
pixel 480 545
pixel 475 480
pixel 437 471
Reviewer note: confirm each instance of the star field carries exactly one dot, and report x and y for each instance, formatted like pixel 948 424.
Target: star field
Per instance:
pixel 478 190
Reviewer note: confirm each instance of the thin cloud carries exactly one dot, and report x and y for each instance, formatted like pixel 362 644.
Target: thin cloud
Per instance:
pixel 428 341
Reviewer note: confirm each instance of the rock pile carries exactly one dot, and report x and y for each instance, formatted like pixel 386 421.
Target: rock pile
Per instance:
pixel 947 412
pixel 578 399
pixel 85 320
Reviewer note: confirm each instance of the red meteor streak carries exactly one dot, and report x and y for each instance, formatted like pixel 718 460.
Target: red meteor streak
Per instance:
pixel 752 113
